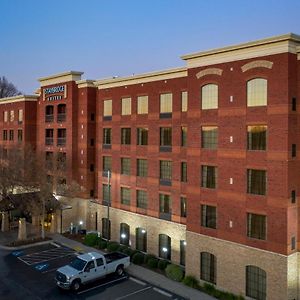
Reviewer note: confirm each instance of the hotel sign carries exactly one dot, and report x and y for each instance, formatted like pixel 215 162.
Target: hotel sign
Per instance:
pixel 55 93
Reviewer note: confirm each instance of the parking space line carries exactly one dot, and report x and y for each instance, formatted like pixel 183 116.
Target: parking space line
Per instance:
pixel 32 260
pixel 137 281
pixel 95 287
pixel 134 293
pixel 162 292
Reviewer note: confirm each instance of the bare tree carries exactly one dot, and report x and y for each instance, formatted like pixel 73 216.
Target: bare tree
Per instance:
pixel 7 89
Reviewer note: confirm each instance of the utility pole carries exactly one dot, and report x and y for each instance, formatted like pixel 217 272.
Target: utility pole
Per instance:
pixel 108 205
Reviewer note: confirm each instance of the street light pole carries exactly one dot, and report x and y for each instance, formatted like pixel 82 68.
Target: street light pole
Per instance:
pixel 108 205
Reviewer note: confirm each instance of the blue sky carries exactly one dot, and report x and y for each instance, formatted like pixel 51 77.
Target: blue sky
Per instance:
pixel 114 37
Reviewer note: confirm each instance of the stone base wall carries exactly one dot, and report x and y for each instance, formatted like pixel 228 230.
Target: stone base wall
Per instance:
pixel 153 226
pixel 232 259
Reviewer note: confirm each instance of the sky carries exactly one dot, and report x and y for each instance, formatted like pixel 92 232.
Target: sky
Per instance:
pixel 105 38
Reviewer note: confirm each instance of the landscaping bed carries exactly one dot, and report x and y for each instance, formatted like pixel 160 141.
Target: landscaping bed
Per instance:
pixel 28 241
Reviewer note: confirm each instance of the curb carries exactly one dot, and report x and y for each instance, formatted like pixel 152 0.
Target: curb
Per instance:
pixel 26 246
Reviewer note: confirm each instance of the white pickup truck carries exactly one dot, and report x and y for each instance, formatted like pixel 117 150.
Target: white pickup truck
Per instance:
pixel 89 267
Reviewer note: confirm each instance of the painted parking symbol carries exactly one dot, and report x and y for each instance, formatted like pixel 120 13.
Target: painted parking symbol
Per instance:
pixel 17 253
pixel 41 267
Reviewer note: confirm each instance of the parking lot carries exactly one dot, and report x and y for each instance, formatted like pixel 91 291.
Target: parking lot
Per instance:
pixel 35 268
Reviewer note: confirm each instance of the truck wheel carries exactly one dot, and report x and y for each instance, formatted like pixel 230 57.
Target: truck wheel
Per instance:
pixel 120 270
pixel 76 285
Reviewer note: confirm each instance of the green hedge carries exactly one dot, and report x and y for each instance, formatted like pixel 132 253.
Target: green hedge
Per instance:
pixel 162 264
pixel 128 251
pixel 152 262
pixel 113 246
pixel 102 244
pixel 191 281
pixel 147 257
pixel 91 239
pixel 174 272
pixel 138 258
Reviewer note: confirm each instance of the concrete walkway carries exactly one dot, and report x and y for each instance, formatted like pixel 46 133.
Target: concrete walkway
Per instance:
pixel 134 270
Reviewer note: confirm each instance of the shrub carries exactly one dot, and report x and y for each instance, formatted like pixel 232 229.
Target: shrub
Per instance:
pixel 133 252
pixel 91 239
pixel 209 288
pixel 113 246
pixel 138 258
pixel 152 262
pixel 162 264
pixel 102 244
pixel 128 251
pixel 174 272
pixel 191 281
pixel 122 248
pixel 147 257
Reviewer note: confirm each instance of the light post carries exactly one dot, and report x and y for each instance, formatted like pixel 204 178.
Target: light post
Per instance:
pixel 108 205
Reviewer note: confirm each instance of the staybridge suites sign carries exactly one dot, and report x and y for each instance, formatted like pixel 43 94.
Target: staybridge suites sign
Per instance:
pixel 55 93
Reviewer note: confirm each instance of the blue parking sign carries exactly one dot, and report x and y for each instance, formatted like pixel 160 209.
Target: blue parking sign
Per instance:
pixel 17 253
pixel 41 267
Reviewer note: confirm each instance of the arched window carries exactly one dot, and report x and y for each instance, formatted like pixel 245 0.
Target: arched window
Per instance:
pixel 209 96
pixel 164 246
pixel 124 234
pixel 208 267
pixel 141 239
pixel 257 92
pixel 256 283
pixel 49 116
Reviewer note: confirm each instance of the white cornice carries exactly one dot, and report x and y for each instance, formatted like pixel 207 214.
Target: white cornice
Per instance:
pixel 264 47
pixel 19 98
pixel 85 83
pixel 60 78
pixel 142 78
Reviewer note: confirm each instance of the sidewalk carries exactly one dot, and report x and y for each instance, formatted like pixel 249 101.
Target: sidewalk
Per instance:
pixel 134 270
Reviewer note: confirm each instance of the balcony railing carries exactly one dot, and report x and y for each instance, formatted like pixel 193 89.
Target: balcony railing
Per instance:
pixel 61 117
pixel 61 141
pixel 49 118
pixel 49 141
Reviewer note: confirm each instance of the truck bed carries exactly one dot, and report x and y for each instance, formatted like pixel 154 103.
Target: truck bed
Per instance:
pixel 110 257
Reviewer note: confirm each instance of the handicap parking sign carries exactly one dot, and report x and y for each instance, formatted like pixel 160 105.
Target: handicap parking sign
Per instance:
pixel 41 267
pixel 17 253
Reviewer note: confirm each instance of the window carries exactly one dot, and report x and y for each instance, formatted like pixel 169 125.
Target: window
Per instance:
pixel 183 136
pixel 166 105
pixel 20 135
pixel 20 116
pixel 107 136
pixel 11 135
pixel 125 136
pixel 61 161
pixel 124 234
pixel 165 167
pixel 4 135
pixel 141 239
pixel 90 265
pixel 106 228
pixel 165 206
pixel 5 116
pixel 256 283
pixel 256 226
pixel 257 92
pixel 183 171
pixel 183 207
pixel 61 137
pixel 92 117
pixel 293 243
pixel 184 101
pixel 141 199
pixel 106 193
pixel 209 137
pixel 182 252
pixel 257 137
pixel 293 196
pixel 61 112
pixel 49 113
pixel 164 246
pixel 209 96
pixel 209 177
pixel 142 168
pixel 125 166
pixel 92 142
pixel 92 169
pixel 294 150
pixel 142 105
pixel 12 116
pixel 208 268
pixel 126 106
pixel 99 262
pixel 209 216
pixel 165 138
pixel 106 163
pixel 256 182
pixel 142 136
pixel 294 104
pixel 125 196
pixel 107 109
pixel 49 137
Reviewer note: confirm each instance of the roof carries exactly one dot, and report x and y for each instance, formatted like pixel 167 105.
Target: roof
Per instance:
pixel 60 78
pixel 19 98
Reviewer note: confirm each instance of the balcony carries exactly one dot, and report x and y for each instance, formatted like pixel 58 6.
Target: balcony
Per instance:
pixel 61 117
pixel 49 141
pixel 49 118
pixel 61 141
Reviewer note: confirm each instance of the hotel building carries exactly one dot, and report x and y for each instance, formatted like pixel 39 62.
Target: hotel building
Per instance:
pixel 202 160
